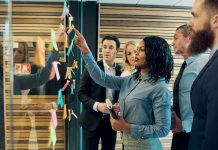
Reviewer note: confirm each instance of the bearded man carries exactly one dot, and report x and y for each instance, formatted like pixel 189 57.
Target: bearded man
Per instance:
pixel 204 92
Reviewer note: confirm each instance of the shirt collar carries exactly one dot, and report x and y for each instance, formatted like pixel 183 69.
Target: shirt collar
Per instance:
pixel 145 77
pixel 213 50
pixel 191 58
pixel 108 67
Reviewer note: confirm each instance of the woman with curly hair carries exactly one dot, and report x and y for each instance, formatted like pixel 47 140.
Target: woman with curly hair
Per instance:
pixel 144 97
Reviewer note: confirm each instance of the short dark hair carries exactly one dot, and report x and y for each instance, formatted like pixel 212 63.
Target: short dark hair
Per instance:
pixel 159 58
pixel 114 38
pixel 186 30
pixel 212 5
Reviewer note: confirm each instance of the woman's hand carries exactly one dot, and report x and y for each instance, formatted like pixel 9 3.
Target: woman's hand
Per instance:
pixel 116 107
pixel 81 42
pixel 120 124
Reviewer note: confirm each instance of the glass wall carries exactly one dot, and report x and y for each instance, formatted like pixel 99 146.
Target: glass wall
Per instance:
pixel 38 100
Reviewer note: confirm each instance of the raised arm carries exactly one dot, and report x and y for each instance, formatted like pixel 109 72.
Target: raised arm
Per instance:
pixel 100 77
pixel 33 80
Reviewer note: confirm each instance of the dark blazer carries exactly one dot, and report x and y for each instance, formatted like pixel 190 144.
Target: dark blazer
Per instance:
pixel 204 99
pixel 52 86
pixel 89 93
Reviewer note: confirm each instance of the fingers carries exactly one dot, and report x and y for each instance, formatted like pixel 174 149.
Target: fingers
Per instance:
pixel 77 32
pixel 113 123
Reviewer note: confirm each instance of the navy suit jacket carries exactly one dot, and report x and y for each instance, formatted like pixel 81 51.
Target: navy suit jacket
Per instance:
pixel 204 99
pixel 89 93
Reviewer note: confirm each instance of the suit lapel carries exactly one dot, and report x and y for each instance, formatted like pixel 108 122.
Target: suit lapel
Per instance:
pixel 204 68
pixel 101 65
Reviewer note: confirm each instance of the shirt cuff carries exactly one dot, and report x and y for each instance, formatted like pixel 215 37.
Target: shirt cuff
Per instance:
pixel 88 58
pixel 187 126
pixel 134 130
pixel 95 106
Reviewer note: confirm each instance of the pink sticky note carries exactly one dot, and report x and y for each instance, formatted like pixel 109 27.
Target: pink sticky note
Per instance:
pixel 54 117
pixel 55 65
pixel 74 114
pixel 66 84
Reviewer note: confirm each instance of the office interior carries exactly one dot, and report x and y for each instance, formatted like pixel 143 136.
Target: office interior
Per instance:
pixel 26 117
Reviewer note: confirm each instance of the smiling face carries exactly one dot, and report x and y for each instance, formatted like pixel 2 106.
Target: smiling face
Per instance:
pixel 109 51
pixel 140 57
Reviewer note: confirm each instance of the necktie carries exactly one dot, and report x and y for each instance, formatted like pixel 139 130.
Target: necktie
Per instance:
pixel 176 90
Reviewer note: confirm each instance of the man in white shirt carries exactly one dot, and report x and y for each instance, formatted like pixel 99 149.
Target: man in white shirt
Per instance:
pixel 95 117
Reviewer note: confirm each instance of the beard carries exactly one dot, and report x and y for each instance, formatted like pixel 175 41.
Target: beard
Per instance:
pixel 201 40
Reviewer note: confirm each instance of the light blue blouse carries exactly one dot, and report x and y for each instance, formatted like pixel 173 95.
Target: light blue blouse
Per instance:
pixel 144 105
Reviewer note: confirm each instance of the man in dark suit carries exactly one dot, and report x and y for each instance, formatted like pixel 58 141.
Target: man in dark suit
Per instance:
pixel 95 118
pixel 204 92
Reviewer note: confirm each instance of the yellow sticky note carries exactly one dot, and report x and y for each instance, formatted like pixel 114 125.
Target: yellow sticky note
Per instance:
pixel 40 52
pixel 65 112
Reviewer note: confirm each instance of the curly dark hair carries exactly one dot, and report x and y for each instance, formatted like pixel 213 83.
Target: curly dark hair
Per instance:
pixel 159 58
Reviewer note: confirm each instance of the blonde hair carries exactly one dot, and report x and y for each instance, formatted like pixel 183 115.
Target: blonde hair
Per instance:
pixel 126 64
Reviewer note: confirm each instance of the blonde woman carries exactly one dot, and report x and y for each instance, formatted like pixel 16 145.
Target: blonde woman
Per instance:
pixel 128 58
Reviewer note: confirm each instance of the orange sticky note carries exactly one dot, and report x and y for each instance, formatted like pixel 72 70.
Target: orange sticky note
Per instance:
pixel 40 52
pixel 65 41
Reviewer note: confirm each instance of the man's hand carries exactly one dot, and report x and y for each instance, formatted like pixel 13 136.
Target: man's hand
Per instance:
pixel 120 124
pixel 176 123
pixel 102 107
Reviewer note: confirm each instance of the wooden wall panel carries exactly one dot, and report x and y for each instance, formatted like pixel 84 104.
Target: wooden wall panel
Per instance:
pixel 130 22
pixel 28 22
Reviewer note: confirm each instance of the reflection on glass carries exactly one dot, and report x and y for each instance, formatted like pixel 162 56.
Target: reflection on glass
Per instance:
pixel 27 117
pixel 23 54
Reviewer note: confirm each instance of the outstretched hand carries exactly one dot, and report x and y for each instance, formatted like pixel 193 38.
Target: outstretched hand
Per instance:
pixel 81 42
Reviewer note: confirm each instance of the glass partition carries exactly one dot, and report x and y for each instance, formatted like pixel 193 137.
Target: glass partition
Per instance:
pixel 38 90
